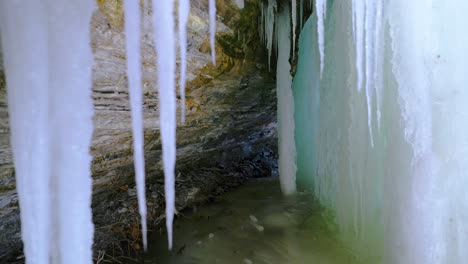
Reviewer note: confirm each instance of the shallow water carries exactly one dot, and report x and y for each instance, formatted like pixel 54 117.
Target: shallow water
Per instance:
pixel 253 224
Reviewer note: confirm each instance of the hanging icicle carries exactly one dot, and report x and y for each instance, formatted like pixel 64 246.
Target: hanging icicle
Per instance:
pixel 163 22
pixel 358 32
pixel 184 11
pixel 269 27
pixel 132 37
pixel 50 108
pixel 369 51
pixel 212 11
pixel 320 10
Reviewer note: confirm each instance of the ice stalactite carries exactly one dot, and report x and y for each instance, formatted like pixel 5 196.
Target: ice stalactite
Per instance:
pixel 27 84
pixel 270 27
pixel 184 11
pixel 132 37
pixel 163 23
pixel 358 33
pixel 320 11
pixel 286 145
pixel 369 52
pixel 378 57
pixel 50 107
pixel 212 13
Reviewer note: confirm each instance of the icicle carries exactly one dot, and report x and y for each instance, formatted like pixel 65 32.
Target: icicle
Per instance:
pixel 212 6
pixel 286 145
pixel 132 36
pixel 269 27
pixel 378 58
pixel 164 39
pixel 50 106
pixel 26 69
pixel 71 127
pixel 184 11
pixel 369 48
pixel 294 24
pixel 320 10
pixel 358 25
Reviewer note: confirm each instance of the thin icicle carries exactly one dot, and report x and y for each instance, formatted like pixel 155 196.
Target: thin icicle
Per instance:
pixel 269 27
pixel 294 24
pixel 320 10
pixel 378 58
pixel 184 10
pixel 132 36
pixel 213 30
pixel 164 39
pixel 358 15
pixel 369 48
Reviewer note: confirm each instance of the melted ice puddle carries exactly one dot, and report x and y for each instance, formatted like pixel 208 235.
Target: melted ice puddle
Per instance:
pixel 253 224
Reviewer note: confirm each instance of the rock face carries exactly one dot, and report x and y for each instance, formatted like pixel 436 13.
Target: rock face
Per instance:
pixel 229 134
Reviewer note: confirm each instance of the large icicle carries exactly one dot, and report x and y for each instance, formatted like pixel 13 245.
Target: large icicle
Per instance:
pixel 71 110
pixel 286 145
pixel 212 13
pixel 132 35
pixel 23 23
pixel 184 11
pixel 163 22
pixel 320 11
pixel 50 106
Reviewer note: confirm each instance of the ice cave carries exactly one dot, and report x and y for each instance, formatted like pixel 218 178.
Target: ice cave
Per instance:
pixel 234 131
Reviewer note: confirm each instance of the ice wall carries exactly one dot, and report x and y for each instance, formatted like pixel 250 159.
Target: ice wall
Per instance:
pixel 382 136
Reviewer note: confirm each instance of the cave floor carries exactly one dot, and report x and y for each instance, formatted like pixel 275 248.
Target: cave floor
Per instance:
pixel 253 224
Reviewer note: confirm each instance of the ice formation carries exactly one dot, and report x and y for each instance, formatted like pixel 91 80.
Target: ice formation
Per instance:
pixel 184 11
pixel 398 191
pixel 50 108
pixel 269 14
pixel 132 37
pixel 321 11
pixel 165 49
pixel 286 145
pixel 212 13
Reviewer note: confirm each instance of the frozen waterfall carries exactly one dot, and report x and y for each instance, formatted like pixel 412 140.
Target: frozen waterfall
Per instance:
pixel 390 160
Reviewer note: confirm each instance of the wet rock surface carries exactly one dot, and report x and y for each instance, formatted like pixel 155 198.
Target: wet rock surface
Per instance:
pixel 229 134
